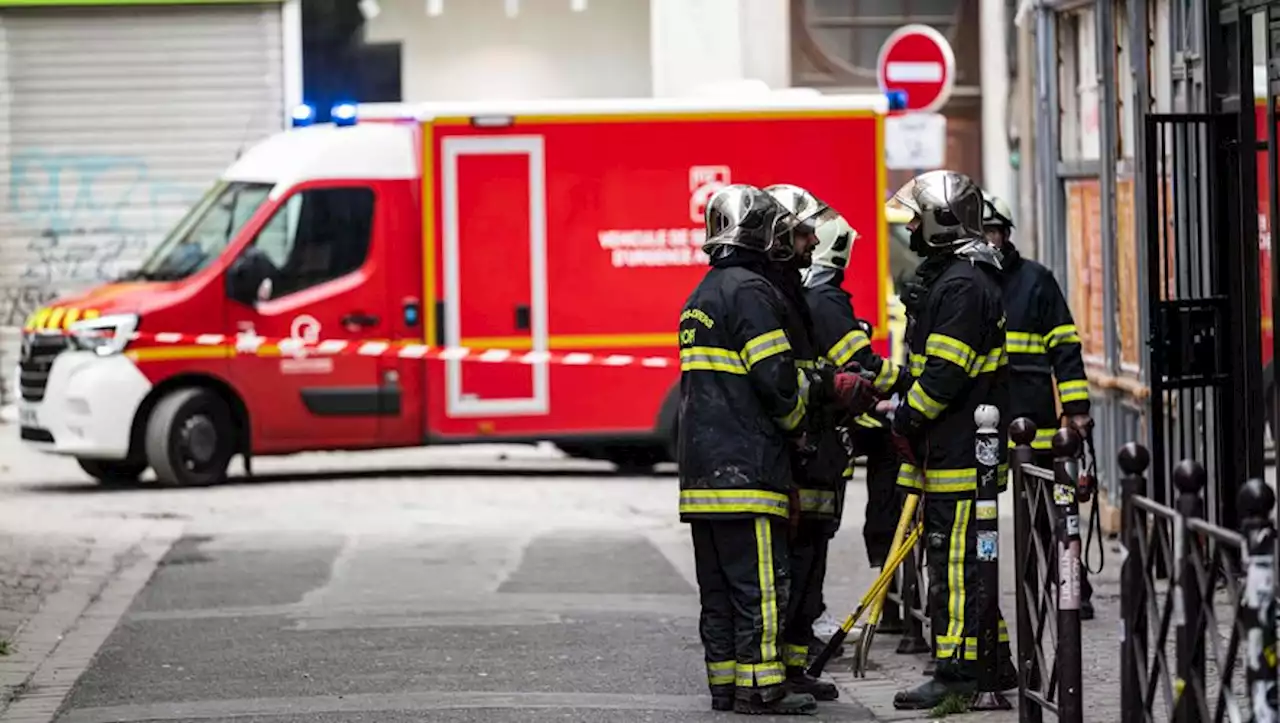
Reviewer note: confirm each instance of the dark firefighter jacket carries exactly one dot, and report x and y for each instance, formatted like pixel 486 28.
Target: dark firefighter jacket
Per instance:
pixel 958 362
pixel 1043 345
pixel 817 492
pixel 741 396
pixel 841 340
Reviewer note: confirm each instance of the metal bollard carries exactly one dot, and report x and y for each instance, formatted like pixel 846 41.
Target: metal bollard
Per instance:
pixel 1188 478
pixel 1066 467
pixel 1255 503
pixel 986 448
pixel 1023 432
pixel 1134 460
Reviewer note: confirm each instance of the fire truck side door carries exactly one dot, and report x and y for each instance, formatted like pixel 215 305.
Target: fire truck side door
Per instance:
pixel 325 272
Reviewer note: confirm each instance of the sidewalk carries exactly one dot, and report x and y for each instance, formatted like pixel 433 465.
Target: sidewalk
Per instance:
pixel 890 672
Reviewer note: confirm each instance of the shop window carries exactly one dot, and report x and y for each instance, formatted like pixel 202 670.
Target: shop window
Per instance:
pixel 318 235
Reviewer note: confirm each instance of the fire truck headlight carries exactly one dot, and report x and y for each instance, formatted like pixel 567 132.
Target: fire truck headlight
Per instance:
pixel 105 335
pixel 303 115
pixel 897 99
pixel 343 114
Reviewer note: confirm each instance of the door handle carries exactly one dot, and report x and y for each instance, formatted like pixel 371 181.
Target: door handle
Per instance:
pixel 522 317
pixel 359 320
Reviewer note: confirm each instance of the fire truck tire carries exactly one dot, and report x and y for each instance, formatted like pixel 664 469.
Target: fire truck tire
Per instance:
pixel 113 473
pixel 190 438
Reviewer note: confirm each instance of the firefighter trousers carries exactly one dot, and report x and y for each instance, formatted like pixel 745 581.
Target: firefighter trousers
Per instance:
pixel 1044 528
pixel 884 500
pixel 951 551
pixel 743 572
pixel 808 571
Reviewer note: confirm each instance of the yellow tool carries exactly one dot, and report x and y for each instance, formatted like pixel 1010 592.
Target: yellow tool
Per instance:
pixel 863 647
pixel 879 586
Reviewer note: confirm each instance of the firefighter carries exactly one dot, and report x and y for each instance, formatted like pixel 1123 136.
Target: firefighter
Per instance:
pixel 958 362
pixel 743 403
pixel 820 489
pixel 1043 346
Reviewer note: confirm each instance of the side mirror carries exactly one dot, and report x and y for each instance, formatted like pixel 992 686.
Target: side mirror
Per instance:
pixel 249 278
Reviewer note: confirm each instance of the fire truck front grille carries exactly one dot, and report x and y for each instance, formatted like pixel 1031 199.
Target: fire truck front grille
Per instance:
pixel 38 351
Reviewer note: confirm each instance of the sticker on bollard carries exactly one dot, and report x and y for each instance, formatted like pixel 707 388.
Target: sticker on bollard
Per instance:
pixel 988 546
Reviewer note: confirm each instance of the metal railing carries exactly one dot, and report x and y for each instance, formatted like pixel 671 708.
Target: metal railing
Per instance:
pixel 1047 573
pixel 1192 595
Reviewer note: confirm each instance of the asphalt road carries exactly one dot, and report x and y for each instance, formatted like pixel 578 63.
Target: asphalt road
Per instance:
pixel 461 585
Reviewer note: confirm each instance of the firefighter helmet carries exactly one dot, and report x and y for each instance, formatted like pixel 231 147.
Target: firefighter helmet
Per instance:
pixel 835 243
pixel 995 212
pixel 807 210
pixel 946 204
pixel 743 216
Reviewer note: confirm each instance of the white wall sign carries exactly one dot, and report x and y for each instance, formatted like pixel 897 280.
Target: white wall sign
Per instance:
pixel 915 141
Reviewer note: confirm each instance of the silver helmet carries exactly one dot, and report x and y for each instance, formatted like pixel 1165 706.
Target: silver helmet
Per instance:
pixel 744 216
pixel 808 211
pixel 948 206
pixel 995 212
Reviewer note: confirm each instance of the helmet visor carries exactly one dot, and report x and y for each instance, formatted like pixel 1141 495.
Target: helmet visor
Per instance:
pixel 902 204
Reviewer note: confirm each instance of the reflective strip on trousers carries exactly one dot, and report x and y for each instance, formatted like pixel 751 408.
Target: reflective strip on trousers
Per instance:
pixel 755 502
pixel 945 645
pixel 721 673
pixel 760 675
pixel 795 656
pixel 769 613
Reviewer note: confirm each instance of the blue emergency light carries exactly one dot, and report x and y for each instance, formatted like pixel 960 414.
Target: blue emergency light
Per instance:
pixel 303 115
pixel 343 114
pixel 897 99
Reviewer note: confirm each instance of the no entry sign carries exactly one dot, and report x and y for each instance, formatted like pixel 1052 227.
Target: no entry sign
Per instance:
pixel 918 60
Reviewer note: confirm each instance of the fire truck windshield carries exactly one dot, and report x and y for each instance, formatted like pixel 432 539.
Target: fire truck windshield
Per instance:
pixel 204 233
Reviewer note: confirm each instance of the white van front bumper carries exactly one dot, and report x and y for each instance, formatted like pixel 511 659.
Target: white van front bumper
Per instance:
pixel 88 407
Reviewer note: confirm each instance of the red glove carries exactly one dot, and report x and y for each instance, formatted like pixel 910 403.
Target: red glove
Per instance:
pixel 855 393
pixel 902 446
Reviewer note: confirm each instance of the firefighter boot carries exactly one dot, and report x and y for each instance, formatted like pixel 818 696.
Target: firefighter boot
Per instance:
pixel 932 693
pixel 774 700
pixel 722 697
pixel 799 681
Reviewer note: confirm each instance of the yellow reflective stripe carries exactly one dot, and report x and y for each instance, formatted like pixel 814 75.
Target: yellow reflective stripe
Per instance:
pixel 764 346
pixel 733 501
pixel 944 480
pixel 795 656
pixel 1058 335
pixel 751 675
pixel 1021 342
pixel 768 593
pixel 920 401
pixel 793 418
pixel 1073 390
pixel 1043 440
pixel 848 471
pixel 917 364
pixel 989 362
pixel 721 673
pixel 955 569
pixel 852 343
pixel 710 359
pixel 946 645
pixel 818 501
pixel 887 376
pixel 950 349
pixel 868 421
pixel 806 364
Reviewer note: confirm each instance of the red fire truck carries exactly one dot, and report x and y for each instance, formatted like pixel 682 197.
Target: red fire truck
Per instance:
pixel 324 293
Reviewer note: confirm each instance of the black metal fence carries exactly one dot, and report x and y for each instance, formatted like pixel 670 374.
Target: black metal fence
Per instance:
pixel 1199 626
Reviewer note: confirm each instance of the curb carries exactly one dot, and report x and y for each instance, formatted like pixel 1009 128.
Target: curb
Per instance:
pixel 56 646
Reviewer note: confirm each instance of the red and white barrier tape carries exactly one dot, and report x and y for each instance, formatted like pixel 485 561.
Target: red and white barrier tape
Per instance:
pixel 294 347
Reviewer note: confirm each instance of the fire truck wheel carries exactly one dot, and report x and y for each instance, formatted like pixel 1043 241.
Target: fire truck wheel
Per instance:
pixel 190 438
pixel 113 473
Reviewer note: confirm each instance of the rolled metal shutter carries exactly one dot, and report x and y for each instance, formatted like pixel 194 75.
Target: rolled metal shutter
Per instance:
pixel 113 120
